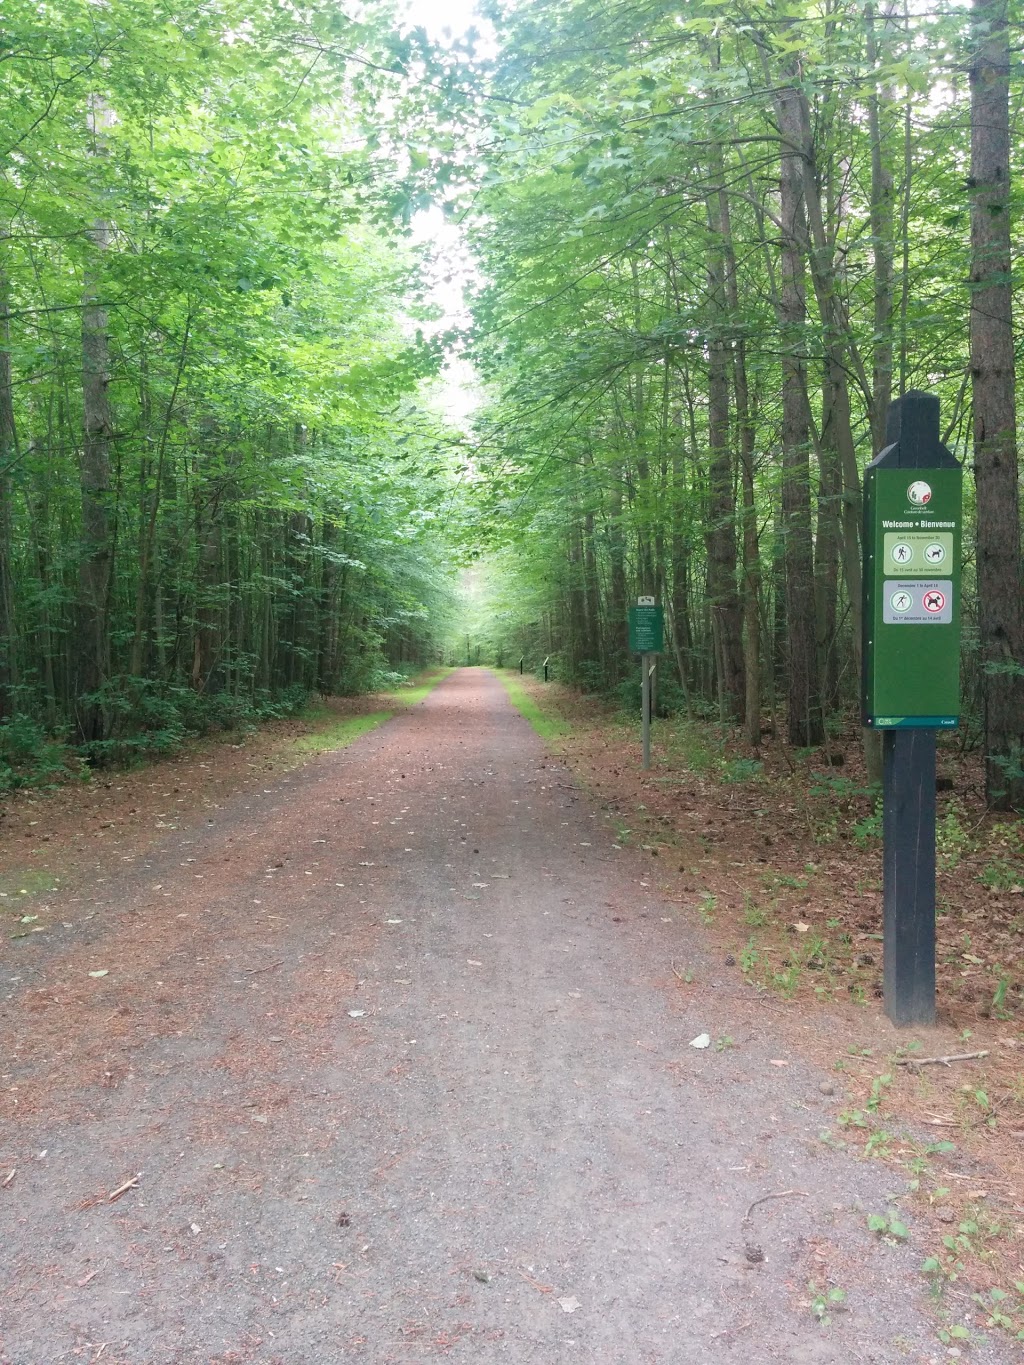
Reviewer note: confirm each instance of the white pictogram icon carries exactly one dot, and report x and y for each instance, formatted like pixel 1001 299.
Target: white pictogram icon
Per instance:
pixel 934 600
pixel 902 553
pixel 919 493
pixel 901 601
pixel 934 554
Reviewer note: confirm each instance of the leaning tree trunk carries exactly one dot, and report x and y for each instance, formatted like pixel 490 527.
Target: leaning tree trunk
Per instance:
pixel 1000 609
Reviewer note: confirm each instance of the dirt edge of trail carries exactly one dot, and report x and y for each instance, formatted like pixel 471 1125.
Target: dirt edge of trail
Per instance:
pixel 770 896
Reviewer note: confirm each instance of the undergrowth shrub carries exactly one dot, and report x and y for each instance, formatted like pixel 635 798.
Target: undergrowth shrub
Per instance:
pixel 29 757
pixel 147 719
pixel 669 699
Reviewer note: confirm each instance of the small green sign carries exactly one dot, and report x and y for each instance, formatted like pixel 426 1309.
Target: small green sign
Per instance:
pixel 646 629
pixel 912 528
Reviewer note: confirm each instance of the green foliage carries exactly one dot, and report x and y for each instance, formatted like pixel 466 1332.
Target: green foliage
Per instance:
pixel 888 1226
pixel 28 755
pixel 149 720
pixel 826 1301
pixel 260 514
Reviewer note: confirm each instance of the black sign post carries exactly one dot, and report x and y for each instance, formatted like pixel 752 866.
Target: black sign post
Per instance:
pixel 912 511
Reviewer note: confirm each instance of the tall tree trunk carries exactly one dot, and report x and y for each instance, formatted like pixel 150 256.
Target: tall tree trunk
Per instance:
pixel 592 591
pixel 1000 602
pixel 879 101
pixel 826 565
pixel 723 598
pixel 576 603
pixel 747 433
pixel 841 358
pixel 149 514
pixel 804 712
pixel 618 629
pixel 97 548
pixel 8 453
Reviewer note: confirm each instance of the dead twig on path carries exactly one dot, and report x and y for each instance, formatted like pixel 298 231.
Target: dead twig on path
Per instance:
pixel 128 1184
pixel 728 1331
pixel 779 1194
pixel 941 1061
pixel 255 971
pixel 8 1178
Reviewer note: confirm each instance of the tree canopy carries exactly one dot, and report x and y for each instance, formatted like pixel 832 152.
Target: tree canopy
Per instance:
pixel 712 246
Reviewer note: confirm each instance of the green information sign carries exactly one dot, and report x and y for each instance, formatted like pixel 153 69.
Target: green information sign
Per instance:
pixel 912 526
pixel 646 629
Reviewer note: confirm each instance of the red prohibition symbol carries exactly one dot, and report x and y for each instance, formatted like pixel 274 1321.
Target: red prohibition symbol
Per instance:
pixel 934 601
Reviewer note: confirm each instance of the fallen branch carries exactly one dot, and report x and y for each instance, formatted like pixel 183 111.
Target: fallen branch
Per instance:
pixel 10 1176
pixel 779 1194
pixel 727 1331
pixel 126 1185
pixel 941 1061
pixel 255 971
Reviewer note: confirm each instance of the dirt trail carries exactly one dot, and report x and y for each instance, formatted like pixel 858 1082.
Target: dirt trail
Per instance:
pixel 395 1052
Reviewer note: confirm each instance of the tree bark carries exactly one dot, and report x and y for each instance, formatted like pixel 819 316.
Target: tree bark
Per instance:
pixel 1000 609
pixel 879 101
pixel 97 550
pixel 804 712
pixel 720 536
pixel 8 454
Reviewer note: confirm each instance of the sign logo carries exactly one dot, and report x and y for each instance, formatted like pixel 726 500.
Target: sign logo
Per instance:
pixel 901 601
pixel 935 554
pixel 934 601
pixel 920 493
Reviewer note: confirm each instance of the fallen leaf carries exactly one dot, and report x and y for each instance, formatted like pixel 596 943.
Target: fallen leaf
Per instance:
pixel 102 973
pixel 568 1305
pixel 701 1041
pixel 801 927
pixel 356 1014
pixel 775 1061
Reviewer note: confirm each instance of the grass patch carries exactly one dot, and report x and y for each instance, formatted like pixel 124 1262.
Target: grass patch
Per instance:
pixel 421 688
pixel 340 733
pixel 332 733
pixel 548 727
pixel 18 887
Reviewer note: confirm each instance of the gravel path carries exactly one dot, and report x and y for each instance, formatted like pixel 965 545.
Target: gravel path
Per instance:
pixel 397 1054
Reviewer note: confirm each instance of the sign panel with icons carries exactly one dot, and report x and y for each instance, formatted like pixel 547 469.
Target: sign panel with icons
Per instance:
pixel 912 527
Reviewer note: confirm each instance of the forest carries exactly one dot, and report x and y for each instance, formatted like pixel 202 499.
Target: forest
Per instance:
pixel 708 246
